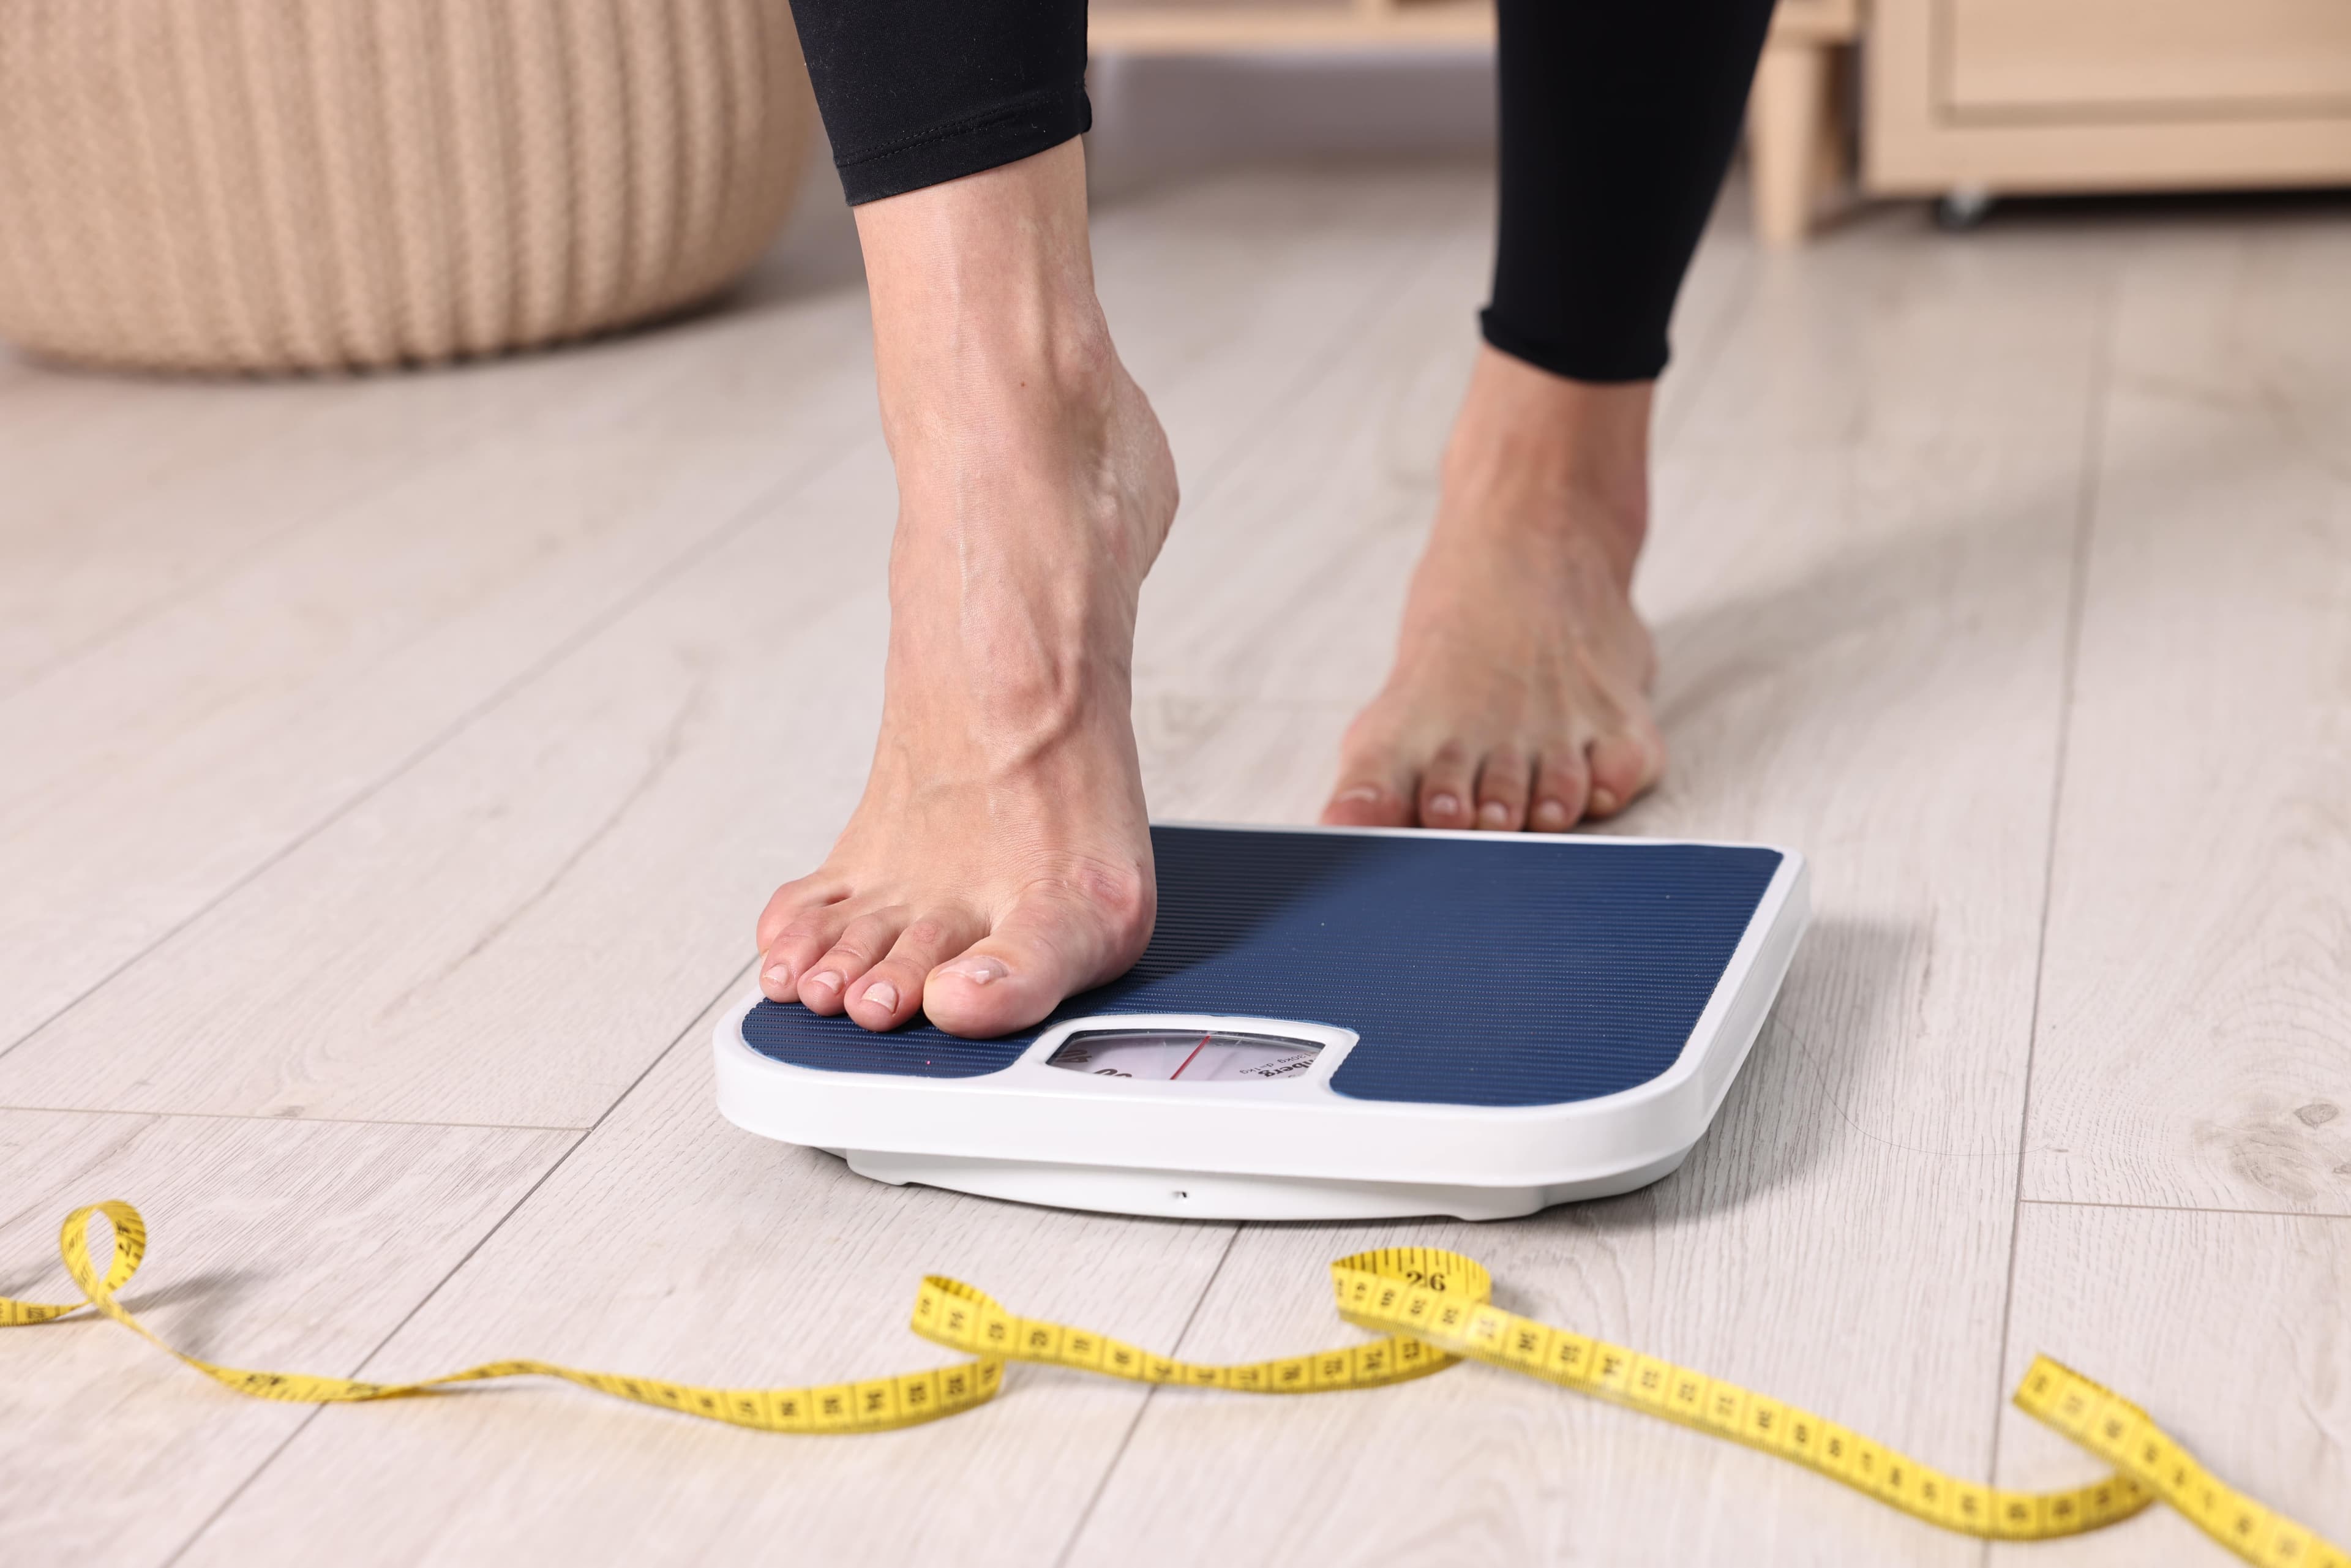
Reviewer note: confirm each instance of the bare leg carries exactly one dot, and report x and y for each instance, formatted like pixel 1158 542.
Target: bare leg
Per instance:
pixel 1520 694
pixel 1000 858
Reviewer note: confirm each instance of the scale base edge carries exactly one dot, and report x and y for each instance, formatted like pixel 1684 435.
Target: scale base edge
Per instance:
pixel 1193 1194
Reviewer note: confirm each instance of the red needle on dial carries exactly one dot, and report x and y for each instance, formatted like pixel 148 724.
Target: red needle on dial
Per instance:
pixel 1188 1060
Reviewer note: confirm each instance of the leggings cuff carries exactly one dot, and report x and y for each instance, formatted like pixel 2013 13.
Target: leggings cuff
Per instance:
pixel 1591 359
pixel 1002 134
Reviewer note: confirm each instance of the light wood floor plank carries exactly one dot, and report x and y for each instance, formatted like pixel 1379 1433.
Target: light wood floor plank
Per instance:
pixel 1861 576
pixel 160 770
pixel 676 1246
pixel 119 496
pixel 2196 1038
pixel 122 497
pixel 2228 1329
pixel 283 1246
pixel 1284 578
pixel 513 930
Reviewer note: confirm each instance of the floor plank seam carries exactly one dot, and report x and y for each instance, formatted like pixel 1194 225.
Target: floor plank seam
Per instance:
pixel 1820 1080
pixel 580 638
pixel 1711 347
pixel 2189 1209
pixel 2085 508
pixel 31 678
pixel 521 412
pixel 1142 1406
pixel 297 1121
pixel 688 1032
pixel 1347 334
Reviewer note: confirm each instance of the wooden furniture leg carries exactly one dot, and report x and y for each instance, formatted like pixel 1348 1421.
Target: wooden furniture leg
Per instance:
pixel 1787 114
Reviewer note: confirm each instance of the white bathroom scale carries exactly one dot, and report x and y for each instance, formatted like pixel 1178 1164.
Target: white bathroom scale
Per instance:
pixel 1330 1023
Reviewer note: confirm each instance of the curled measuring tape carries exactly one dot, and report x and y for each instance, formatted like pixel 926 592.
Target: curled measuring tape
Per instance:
pixel 1433 1308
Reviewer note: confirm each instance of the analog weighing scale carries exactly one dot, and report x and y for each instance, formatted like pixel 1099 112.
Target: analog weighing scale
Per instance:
pixel 1330 1023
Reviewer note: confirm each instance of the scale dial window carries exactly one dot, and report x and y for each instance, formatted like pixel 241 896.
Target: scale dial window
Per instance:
pixel 1186 1055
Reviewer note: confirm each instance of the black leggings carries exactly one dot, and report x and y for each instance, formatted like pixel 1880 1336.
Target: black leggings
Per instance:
pixel 1618 119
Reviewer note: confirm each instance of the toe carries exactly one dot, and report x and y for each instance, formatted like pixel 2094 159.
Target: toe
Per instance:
pixel 1445 788
pixel 787 954
pixel 1502 783
pixel 1375 779
pixel 889 992
pixel 1563 785
pixel 826 982
pixel 1043 949
pixel 1368 802
pixel 1621 766
pixel 794 901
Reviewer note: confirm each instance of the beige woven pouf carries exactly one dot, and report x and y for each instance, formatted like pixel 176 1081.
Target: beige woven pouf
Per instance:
pixel 308 184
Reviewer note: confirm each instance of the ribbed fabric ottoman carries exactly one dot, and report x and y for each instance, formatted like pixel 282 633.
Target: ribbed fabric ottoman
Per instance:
pixel 317 184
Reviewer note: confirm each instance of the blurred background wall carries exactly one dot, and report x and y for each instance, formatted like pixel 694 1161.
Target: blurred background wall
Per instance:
pixel 1157 114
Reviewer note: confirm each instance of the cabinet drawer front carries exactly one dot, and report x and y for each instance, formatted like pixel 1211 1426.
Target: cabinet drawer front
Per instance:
pixel 2087 55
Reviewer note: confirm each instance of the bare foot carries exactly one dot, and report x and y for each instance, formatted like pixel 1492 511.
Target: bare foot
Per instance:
pixel 1000 858
pixel 1520 694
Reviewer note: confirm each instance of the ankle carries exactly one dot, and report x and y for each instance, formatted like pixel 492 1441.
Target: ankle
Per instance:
pixel 983 289
pixel 1008 333
pixel 1536 451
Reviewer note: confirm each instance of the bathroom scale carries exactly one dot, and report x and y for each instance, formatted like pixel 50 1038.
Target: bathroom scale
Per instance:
pixel 1330 1023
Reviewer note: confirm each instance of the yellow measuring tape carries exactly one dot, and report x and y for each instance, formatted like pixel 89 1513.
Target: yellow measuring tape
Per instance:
pixel 1433 1310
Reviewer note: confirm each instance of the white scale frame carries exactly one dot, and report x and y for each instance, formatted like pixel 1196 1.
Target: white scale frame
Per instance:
pixel 1287 1149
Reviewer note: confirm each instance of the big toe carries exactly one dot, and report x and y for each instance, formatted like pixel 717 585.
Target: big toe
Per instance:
pixel 1375 783
pixel 1041 952
pixel 1364 799
pixel 1623 765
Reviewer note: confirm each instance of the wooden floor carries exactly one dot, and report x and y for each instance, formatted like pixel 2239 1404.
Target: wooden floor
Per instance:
pixel 392 770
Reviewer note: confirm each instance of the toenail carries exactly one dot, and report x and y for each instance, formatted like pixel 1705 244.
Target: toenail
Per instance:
pixel 978 971
pixel 1603 802
pixel 884 995
pixel 778 974
pixel 1551 814
pixel 1443 804
pixel 825 980
pixel 1493 814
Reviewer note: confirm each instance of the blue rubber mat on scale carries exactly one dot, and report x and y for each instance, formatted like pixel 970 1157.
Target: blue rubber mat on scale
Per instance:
pixel 1517 971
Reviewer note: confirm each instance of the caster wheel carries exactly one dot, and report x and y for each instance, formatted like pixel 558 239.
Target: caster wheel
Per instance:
pixel 1963 209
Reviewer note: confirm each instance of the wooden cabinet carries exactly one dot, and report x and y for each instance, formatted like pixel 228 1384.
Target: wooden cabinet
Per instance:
pixel 1992 96
pixel 2161 55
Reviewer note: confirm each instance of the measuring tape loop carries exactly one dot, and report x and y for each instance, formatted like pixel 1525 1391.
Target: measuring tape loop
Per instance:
pixel 953 1314
pixel 1433 1308
pixel 870 1407
pixel 1481 1332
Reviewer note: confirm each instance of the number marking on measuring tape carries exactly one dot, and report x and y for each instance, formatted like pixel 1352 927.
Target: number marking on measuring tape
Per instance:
pixel 1434 1308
